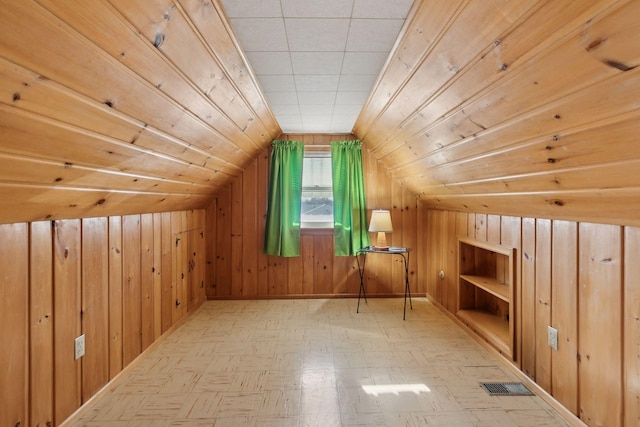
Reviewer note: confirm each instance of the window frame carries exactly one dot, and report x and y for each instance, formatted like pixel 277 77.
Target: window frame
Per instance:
pixel 315 151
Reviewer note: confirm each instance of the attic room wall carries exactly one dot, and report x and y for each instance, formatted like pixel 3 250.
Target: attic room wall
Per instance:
pixel 122 281
pixel 237 268
pixel 581 278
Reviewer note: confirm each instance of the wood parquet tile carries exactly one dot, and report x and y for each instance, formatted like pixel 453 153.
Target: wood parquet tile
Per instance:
pixel 314 363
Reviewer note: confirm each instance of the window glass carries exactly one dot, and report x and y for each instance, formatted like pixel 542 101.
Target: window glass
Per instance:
pixel 317 190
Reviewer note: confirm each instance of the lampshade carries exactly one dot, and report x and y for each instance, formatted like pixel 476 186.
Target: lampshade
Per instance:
pixel 381 223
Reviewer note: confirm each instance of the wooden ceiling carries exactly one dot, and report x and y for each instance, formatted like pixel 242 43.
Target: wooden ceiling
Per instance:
pixel 518 107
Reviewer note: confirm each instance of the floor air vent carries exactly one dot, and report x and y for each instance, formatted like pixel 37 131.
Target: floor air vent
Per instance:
pixel 506 389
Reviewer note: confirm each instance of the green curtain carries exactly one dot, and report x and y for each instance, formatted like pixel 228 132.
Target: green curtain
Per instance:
pixel 282 230
pixel 349 201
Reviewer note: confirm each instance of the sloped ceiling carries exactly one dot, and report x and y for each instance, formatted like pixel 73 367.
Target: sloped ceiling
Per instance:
pixel 516 107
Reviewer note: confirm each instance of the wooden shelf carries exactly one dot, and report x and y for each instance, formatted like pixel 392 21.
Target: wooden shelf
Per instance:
pixel 486 276
pixel 491 285
pixel 491 327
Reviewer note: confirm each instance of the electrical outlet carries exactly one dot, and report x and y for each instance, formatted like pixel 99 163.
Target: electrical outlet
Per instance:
pixel 79 347
pixel 552 334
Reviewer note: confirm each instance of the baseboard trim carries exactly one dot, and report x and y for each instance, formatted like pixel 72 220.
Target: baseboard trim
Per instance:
pixel 315 296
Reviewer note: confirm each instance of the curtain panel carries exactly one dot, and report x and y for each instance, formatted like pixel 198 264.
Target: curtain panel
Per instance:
pixel 349 200
pixel 282 229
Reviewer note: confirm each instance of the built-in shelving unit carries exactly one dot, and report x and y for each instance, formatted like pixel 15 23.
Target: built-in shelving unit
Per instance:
pixel 486 274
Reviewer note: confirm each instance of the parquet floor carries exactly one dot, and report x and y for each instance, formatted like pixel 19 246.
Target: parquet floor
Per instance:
pixel 315 363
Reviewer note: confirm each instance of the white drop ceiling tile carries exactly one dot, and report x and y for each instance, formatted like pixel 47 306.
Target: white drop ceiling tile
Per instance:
pixel 269 63
pixel 356 83
pixel 316 62
pixel 282 98
pixel 317 35
pixel 317 82
pixel 285 109
pixel 316 110
pixel 317 98
pixel 347 109
pixel 252 8
pixel 317 8
pixel 346 98
pixel 277 83
pixel 381 8
pixel 363 62
pixel 251 34
pixel 373 35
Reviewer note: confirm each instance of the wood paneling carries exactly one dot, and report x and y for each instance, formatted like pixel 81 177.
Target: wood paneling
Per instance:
pixel 240 269
pixel 580 278
pixel 631 383
pixel 95 110
pixel 64 278
pixel 450 114
pixel 41 317
pixel 14 318
pixel 600 324
pixel 95 305
pixel 564 312
pixel 67 284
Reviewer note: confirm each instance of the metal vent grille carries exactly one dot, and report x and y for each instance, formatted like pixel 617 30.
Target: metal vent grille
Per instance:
pixel 506 389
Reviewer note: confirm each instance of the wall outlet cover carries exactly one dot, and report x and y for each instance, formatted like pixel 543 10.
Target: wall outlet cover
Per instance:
pixel 79 347
pixel 553 337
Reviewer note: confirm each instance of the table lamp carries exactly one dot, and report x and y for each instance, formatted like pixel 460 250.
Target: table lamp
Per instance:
pixel 381 223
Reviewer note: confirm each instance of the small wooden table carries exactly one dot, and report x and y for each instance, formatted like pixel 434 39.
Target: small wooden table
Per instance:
pixel 393 250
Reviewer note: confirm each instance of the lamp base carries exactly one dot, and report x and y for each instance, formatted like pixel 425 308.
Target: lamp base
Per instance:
pixel 381 242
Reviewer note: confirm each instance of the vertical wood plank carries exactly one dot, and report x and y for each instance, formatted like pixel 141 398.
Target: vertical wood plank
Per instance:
pixel 493 228
pixel 157 275
pixel 323 270
pixel 261 208
pixel 146 280
pixel 14 321
pixel 564 313
pixel 115 296
pixel 631 326
pixel 421 248
pixel 308 262
pixel 528 294
pixel 66 318
pixel 471 225
pixel 277 274
pixel 511 236
pixel 294 273
pixel 481 227
pixel 600 324
pixel 223 244
pixel 168 278
pixel 543 302
pixel 95 304
pixel 434 243
pixel 450 281
pixel 237 197
pixel 132 316
pixel 200 256
pixel 178 265
pixel 211 250
pixel 41 332
pixel 250 219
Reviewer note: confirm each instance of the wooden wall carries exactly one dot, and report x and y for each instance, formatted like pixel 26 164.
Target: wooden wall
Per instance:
pixel 582 279
pixel 118 280
pixel 523 107
pixel 121 107
pixel 237 268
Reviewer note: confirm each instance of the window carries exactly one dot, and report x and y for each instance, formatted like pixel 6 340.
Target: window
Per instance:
pixel 317 190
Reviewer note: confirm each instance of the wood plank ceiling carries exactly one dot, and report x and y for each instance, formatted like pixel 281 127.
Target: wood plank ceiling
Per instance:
pixel 523 107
